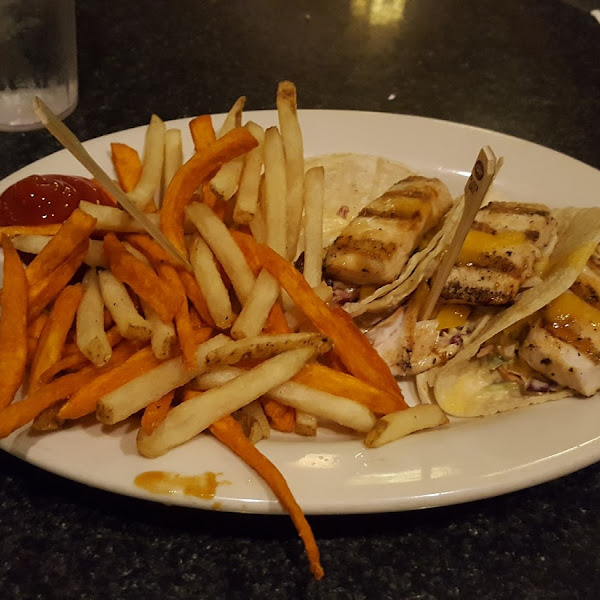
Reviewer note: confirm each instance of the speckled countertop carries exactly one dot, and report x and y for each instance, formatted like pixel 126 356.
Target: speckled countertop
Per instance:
pixel 529 68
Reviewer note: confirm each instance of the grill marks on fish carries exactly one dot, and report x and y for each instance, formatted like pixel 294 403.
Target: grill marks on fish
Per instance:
pixel 564 345
pixel 374 247
pixel 506 241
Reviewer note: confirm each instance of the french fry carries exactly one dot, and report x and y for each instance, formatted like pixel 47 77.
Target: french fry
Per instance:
pixel 44 291
pixel 163 338
pixel 74 232
pixel 192 174
pixel 313 226
pixel 230 433
pixel 54 334
pixel 141 279
pixel 129 322
pixel 127 164
pixel 246 200
pixel 396 425
pixel 13 324
pixel 45 229
pixel 209 279
pixel 152 385
pixel 345 411
pixel 34 330
pixel 265 346
pixel 254 422
pixel 275 192
pixel 291 135
pixel 228 253
pixel 257 307
pixel 173 155
pixel 110 218
pixel 306 424
pixel 183 324
pixel 34 244
pixel 355 351
pixel 48 419
pixel 85 399
pixel 90 336
pixel 202 131
pixel 233 118
pixel 156 412
pixel 154 150
pixel 190 418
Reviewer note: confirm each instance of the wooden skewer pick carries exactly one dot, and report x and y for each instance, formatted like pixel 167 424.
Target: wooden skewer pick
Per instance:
pixel 483 173
pixel 69 140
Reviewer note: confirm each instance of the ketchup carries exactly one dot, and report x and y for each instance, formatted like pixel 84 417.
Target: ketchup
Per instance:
pixel 40 199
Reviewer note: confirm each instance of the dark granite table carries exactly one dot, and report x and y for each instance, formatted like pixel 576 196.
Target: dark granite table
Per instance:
pixel 530 68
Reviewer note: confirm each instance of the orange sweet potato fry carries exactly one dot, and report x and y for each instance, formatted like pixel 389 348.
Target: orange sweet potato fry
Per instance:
pixel 34 330
pixel 74 359
pixel 196 297
pixel 229 432
pixel 353 348
pixel 55 332
pixel 13 324
pixel 281 417
pixel 203 132
pixel 141 278
pixel 151 249
pixel 20 413
pixel 334 382
pixel 128 165
pixel 192 174
pixel 183 323
pixel 44 291
pixel 154 414
pixel 73 233
pixel 84 400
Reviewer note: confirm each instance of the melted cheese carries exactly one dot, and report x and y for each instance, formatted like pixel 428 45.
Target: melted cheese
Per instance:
pixel 479 244
pixel 569 309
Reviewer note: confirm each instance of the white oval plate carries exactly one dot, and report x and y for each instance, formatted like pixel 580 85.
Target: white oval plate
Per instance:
pixel 334 473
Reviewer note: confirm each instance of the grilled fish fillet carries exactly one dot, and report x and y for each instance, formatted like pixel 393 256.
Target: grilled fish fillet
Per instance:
pixel 560 361
pixel 374 247
pixel 500 253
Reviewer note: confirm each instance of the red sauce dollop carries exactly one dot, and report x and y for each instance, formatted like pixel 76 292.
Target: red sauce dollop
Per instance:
pixel 41 199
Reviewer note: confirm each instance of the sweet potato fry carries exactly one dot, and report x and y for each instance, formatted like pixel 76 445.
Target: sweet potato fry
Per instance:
pixel 196 297
pixel 55 332
pixel 154 414
pixel 281 417
pixel 353 348
pixel 141 279
pixel 203 132
pixel 127 164
pixel 47 289
pixel 74 232
pixel 334 382
pixel 192 174
pixel 151 249
pixel 20 413
pixel 13 324
pixel 183 324
pixel 85 399
pixel 76 359
pixel 230 432
pixel 34 330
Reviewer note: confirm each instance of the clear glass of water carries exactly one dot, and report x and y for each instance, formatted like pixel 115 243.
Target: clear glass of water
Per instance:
pixel 38 57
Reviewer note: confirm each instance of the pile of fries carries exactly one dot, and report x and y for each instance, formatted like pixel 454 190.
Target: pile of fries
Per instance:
pixel 104 321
